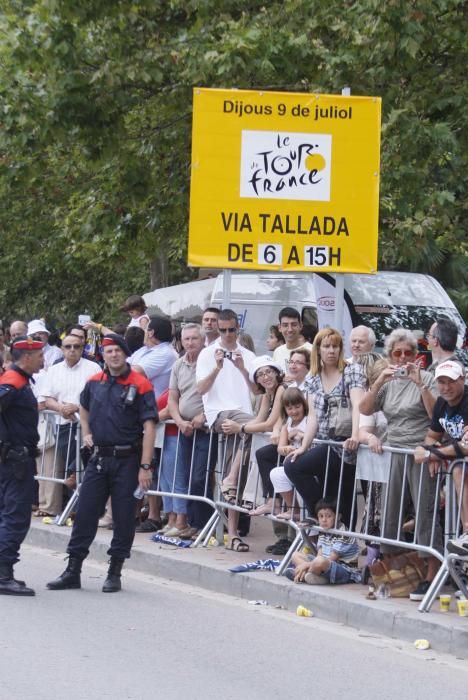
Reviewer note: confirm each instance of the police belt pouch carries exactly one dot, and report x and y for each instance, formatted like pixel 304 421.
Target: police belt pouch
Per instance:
pixel 340 415
pixel 18 458
pixel 401 573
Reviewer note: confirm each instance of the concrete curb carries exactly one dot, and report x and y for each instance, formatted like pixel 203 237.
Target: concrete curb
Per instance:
pixel 340 604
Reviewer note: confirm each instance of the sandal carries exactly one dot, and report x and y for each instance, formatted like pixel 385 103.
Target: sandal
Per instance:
pixel 237 545
pixel 149 525
pixel 248 505
pixel 264 509
pixel 229 494
pixel 42 514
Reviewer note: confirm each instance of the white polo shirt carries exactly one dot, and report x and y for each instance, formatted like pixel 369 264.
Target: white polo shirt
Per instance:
pixel 65 384
pixel 230 391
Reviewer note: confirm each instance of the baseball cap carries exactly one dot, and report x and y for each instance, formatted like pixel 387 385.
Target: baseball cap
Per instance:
pixel 449 368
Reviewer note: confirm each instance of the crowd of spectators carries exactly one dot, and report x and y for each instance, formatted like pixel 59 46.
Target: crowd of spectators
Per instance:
pixel 271 410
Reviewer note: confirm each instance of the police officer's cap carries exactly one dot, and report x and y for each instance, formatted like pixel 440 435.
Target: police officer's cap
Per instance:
pixel 115 339
pixel 25 342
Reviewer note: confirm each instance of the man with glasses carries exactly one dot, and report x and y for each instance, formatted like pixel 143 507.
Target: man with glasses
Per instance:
pixel 223 374
pixel 62 386
pixel 442 342
pixel 223 381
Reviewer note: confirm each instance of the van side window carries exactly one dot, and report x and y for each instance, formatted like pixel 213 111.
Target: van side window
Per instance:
pixel 309 323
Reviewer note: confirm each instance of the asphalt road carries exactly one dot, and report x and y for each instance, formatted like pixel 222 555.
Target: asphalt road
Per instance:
pixel 159 639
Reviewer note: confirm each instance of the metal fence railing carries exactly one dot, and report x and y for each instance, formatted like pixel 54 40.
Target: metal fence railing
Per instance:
pixel 59 457
pixel 380 495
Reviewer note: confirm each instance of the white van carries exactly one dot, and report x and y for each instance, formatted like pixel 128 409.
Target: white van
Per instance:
pixel 383 301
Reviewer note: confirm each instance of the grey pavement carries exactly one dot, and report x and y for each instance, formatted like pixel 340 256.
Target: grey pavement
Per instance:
pixel 163 639
pixel 207 568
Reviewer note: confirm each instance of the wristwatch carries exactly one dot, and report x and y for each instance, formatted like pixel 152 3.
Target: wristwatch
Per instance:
pixel 146 467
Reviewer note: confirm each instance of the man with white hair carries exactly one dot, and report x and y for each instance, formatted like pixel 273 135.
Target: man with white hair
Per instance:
pixel 362 340
pixel 17 329
pixel 52 353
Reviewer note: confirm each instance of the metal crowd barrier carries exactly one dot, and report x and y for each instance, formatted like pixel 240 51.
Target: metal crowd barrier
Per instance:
pixel 57 450
pixel 376 471
pixel 213 456
pixel 189 480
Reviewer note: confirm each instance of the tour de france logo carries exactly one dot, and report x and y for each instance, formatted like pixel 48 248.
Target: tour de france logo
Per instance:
pixel 280 165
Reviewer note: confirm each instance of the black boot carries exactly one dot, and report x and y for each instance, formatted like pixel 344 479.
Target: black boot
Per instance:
pixel 112 583
pixel 9 585
pixel 70 577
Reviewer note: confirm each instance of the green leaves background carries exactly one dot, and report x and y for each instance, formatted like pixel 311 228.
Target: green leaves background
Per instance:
pixel 95 120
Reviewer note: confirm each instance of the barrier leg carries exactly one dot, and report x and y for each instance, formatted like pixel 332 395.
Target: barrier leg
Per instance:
pixel 452 561
pixel 205 533
pixel 433 591
pixel 298 540
pixel 68 508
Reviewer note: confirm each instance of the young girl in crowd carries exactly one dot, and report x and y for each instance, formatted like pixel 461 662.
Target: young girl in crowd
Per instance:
pixel 294 410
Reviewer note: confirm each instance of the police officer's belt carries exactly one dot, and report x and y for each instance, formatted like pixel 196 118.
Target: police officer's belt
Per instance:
pixel 116 450
pixel 18 452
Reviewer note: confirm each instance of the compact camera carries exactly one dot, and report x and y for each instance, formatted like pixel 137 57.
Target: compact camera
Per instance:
pixel 401 372
pixel 227 354
pixel 83 318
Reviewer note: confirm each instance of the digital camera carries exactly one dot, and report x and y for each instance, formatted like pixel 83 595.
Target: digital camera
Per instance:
pixel 401 372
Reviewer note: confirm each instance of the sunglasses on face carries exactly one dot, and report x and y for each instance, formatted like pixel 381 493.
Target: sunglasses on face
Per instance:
pixel 404 353
pixel 227 330
pixel 74 346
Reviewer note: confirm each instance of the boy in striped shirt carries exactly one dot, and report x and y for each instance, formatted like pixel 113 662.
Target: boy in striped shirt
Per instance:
pixel 337 555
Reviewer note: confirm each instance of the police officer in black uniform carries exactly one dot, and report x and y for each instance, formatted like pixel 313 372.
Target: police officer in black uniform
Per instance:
pixel 118 419
pixel 18 446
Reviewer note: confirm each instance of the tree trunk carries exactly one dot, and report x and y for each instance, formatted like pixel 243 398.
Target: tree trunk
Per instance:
pixel 159 273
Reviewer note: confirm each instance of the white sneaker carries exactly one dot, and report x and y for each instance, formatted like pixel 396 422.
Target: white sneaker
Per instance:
pixel 105 521
pixel 315 579
pixel 459 546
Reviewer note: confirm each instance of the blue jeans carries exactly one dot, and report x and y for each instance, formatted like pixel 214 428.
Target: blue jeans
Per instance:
pixel 173 475
pixel 201 451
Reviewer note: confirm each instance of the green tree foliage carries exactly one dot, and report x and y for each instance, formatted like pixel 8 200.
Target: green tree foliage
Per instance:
pixel 95 115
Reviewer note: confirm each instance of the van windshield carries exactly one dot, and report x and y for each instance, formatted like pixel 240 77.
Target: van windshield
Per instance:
pixel 384 319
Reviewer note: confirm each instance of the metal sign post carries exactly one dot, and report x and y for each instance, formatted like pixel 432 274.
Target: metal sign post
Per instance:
pixel 339 277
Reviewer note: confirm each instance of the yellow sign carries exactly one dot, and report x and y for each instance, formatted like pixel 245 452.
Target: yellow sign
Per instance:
pixel 284 181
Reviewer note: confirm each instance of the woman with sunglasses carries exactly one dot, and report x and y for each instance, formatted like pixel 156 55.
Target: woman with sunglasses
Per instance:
pixel 308 468
pixel 406 395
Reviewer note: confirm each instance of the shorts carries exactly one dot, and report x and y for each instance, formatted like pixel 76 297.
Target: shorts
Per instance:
pixel 340 573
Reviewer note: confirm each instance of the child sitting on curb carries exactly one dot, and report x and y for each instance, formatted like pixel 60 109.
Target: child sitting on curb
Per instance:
pixel 337 556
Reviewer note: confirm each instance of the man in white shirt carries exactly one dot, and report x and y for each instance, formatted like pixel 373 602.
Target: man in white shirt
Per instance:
pixel 290 326
pixel 62 386
pixel 223 381
pixel 223 375
pixel 155 359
